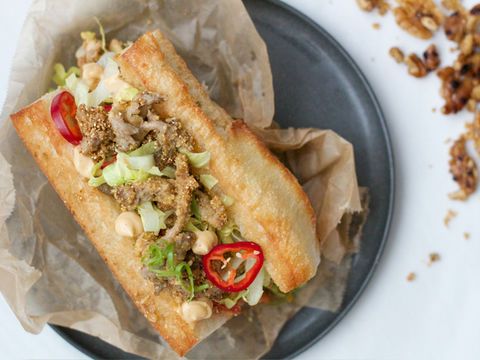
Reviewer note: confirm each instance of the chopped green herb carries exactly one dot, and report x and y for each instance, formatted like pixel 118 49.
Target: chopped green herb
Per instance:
pixel 208 181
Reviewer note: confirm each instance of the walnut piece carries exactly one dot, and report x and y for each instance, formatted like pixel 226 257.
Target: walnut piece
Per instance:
pixel 397 54
pixel 416 67
pixel 431 58
pixel 463 169
pixel 420 18
pixel 456 89
pixel 455 26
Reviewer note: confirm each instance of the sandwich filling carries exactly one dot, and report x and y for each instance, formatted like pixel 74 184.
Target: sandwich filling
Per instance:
pixel 173 209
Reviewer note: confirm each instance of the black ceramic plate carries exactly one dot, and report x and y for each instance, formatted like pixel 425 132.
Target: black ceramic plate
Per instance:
pixel 316 85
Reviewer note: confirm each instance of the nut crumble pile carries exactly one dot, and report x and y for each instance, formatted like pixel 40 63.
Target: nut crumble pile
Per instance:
pixel 460 81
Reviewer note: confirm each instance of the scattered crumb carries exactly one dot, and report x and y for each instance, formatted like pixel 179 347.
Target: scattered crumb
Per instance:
pixel 448 140
pixel 149 21
pixel 376 26
pixel 433 257
pixel 411 277
pixel 434 110
pixel 449 216
pixel 453 49
pixel 369 5
pixel 466 235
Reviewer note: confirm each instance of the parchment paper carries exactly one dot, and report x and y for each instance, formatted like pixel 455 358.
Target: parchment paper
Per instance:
pixel 49 271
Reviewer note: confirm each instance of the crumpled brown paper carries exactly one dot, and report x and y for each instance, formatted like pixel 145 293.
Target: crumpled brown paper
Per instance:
pixel 49 271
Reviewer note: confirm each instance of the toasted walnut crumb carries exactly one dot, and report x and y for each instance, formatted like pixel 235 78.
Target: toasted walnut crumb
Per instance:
pixel 433 258
pixel 370 5
pixel 383 7
pixel 420 18
pixel 367 5
pixel 453 5
pixel 431 58
pixel 449 217
pixel 473 132
pixel 463 170
pixel 472 105
pixel 397 54
pixel 416 67
pixel 466 45
pixel 466 235
pixel 411 277
pixel 456 87
pixel 376 26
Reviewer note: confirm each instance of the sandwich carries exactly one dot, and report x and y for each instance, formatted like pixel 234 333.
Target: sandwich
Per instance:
pixel 193 215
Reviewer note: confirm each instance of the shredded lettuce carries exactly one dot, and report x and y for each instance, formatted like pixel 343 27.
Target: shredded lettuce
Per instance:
pixel 60 75
pixel 94 180
pixel 197 160
pixel 231 302
pixel 208 181
pixel 146 149
pixel 145 162
pixel 169 172
pixel 78 88
pixel 104 92
pixel 153 219
pixel 255 290
pixel 128 168
pixel 88 35
pixel 126 94
pixel 226 233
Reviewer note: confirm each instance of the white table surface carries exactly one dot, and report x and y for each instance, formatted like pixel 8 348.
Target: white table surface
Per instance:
pixel 435 317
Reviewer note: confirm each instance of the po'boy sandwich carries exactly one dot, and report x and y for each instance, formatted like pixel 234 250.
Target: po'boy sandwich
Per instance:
pixel 191 212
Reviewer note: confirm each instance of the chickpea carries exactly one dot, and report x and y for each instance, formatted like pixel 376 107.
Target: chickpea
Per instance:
pixel 196 310
pixel 205 242
pixel 128 224
pixel 83 164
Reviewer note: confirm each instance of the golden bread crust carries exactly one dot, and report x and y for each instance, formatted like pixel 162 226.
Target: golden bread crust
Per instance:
pixel 54 155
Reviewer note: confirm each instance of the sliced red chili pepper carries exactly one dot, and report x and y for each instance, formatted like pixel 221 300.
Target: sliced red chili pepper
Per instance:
pixel 226 277
pixel 107 107
pixel 63 110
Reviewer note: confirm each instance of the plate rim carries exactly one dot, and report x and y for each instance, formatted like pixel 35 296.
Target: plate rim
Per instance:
pixel 391 197
pixel 391 167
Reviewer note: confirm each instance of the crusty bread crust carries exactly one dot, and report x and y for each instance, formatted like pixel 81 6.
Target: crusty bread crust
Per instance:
pixel 270 206
pixel 54 155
